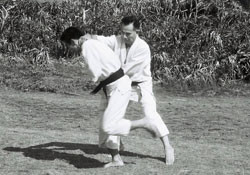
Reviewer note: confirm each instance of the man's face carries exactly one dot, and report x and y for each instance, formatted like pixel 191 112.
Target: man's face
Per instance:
pixel 128 33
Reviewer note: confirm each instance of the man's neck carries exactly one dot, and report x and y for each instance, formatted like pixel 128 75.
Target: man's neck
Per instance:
pixel 128 46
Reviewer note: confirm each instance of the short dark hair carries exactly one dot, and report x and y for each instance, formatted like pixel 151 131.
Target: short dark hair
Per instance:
pixel 71 33
pixel 131 19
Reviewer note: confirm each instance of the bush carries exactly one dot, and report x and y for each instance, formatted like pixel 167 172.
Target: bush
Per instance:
pixel 194 43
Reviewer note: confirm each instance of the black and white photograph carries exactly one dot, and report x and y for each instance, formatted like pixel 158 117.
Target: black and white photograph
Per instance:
pixel 128 87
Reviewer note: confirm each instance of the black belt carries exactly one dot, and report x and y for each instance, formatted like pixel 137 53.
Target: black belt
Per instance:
pixel 135 83
pixel 113 77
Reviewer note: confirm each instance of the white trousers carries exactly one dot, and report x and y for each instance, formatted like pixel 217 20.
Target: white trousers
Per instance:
pixel 148 103
pixel 112 123
pixel 116 106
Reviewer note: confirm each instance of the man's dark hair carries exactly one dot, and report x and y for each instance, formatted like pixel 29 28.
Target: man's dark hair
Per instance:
pixel 71 33
pixel 131 19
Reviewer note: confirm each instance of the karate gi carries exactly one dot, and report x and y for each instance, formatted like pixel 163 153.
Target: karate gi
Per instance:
pixel 102 62
pixel 136 63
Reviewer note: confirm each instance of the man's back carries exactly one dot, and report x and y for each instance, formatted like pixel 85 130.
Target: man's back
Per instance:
pixel 100 59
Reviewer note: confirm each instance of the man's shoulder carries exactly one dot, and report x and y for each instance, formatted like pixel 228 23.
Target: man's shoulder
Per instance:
pixel 95 45
pixel 142 43
pixel 100 37
pixel 91 42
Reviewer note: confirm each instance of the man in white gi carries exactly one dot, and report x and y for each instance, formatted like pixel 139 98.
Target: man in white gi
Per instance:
pixel 135 58
pixel 105 67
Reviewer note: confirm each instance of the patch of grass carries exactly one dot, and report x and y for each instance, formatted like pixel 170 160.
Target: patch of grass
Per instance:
pixel 58 76
pixel 56 133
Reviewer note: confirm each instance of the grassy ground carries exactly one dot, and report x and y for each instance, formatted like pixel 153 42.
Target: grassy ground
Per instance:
pixel 44 133
pixel 48 134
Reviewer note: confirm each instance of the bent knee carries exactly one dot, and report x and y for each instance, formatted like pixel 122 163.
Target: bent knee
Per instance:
pixel 107 128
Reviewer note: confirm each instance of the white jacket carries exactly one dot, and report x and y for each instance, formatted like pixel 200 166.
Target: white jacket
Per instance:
pixel 135 63
pixel 100 60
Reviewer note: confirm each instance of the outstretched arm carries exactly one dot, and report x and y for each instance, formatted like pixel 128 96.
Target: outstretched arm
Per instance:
pixel 110 41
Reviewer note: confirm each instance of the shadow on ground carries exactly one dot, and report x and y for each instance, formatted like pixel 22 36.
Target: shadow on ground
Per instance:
pixel 54 150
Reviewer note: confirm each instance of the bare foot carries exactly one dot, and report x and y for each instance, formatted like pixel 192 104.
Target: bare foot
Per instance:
pixel 169 157
pixel 114 164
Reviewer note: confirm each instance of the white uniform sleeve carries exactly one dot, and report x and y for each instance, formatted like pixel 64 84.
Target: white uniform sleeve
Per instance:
pixel 110 41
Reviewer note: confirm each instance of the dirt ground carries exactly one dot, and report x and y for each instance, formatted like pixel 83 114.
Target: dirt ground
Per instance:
pixel 56 134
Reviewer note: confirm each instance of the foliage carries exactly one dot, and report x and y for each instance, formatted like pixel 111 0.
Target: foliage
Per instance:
pixel 194 43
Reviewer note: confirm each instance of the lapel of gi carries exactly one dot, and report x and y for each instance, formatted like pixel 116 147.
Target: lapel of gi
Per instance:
pixel 123 53
pixel 133 48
